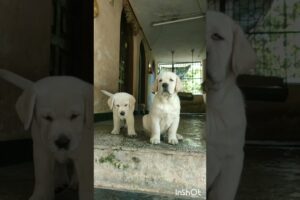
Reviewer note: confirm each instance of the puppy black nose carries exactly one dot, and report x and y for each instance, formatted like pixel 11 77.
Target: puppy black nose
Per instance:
pixel 62 142
pixel 122 113
pixel 165 85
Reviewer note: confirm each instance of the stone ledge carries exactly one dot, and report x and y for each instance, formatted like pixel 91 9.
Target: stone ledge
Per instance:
pixel 132 164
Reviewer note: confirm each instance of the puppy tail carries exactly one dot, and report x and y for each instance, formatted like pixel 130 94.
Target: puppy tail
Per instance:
pixel 107 93
pixel 15 79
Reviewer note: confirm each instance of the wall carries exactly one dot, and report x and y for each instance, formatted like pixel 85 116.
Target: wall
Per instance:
pixel 25 30
pixel 106 52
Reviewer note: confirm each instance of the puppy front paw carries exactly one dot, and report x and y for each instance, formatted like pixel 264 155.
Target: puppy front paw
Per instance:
pixel 115 132
pixel 179 137
pixel 132 133
pixel 154 140
pixel 172 141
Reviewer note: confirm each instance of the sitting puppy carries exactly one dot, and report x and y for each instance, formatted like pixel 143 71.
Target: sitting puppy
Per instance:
pixel 122 104
pixel 164 115
pixel 228 55
pixel 59 112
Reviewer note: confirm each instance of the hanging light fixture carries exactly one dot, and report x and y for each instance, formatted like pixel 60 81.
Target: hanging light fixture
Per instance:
pixel 192 50
pixel 192 56
pixel 173 68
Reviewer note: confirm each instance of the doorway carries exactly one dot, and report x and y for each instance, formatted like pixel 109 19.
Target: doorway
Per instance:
pixel 142 79
pixel 72 39
pixel 126 56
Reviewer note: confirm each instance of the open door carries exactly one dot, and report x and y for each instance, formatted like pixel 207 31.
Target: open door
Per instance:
pixel 72 39
pixel 142 79
pixel 126 56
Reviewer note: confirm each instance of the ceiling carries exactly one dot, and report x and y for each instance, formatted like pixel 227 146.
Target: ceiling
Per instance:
pixel 181 37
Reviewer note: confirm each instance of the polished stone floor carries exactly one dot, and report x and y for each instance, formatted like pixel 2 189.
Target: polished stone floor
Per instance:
pixel 270 173
pixel 191 127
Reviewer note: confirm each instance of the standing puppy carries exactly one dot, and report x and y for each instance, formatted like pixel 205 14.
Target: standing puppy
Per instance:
pixel 122 104
pixel 228 55
pixel 59 112
pixel 164 115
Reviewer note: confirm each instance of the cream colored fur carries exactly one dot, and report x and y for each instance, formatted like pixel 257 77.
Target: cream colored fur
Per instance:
pixel 164 115
pixel 51 108
pixel 122 103
pixel 228 55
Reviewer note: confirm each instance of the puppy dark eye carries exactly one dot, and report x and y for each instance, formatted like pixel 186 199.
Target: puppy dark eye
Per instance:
pixel 171 80
pixel 73 116
pixel 48 118
pixel 118 105
pixel 160 80
pixel 126 105
pixel 217 37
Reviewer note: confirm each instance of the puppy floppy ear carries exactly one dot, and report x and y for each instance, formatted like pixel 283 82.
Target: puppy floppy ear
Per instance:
pixel 110 102
pixel 178 86
pixel 88 106
pixel 25 106
pixel 155 86
pixel 131 102
pixel 243 55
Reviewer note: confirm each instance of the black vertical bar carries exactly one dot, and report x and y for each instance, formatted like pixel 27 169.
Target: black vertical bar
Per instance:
pixel 222 5
pixel 173 68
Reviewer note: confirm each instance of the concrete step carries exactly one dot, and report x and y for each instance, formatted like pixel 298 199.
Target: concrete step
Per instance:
pixel 133 164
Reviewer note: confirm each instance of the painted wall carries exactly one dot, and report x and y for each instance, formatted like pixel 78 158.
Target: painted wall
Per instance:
pixel 25 30
pixel 107 50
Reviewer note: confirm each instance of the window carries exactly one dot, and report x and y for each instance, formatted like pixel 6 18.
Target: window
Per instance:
pixel 191 75
pixel 273 29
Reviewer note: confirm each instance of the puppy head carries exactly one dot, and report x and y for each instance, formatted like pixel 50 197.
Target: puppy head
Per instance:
pixel 60 110
pixel 122 103
pixel 228 50
pixel 167 83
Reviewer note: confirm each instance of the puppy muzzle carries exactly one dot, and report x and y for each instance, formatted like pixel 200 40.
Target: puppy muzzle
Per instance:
pixel 62 142
pixel 165 87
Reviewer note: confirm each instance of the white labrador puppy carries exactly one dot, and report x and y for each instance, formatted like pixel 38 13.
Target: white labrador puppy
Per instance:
pixel 122 104
pixel 228 54
pixel 59 112
pixel 164 115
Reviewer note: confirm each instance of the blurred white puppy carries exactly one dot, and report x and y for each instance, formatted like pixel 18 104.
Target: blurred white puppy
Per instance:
pixel 228 55
pixel 59 112
pixel 122 104
pixel 164 115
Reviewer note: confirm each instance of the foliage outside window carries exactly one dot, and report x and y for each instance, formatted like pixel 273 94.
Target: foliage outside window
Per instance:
pixel 276 39
pixel 191 75
pixel 273 28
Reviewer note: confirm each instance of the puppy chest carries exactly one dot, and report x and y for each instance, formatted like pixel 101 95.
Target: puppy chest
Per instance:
pixel 167 109
pixel 166 120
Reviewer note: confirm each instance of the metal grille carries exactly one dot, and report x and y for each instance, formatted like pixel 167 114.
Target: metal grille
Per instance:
pixel 273 28
pixel 189 73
